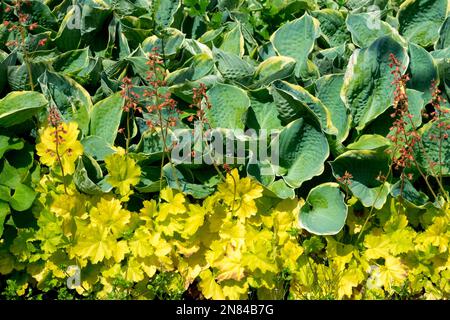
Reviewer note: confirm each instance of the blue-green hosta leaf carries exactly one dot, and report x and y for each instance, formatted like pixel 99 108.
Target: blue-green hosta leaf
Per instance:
pixel 332 26
pixel 420 20
pixel 369 142
pixel 422 70
pixel 84 183
pixel 96 147
pixel 406 191
pixel 282 190
pixel 435 150
pixel 105 118
pixel 164 10
pixel 69 33
pixel 231 66
pixel 273 68
pixel 263 113
pixel 325 211
pixel 171 41
pixel 367 88
pixel 367 27
pixel 444 35
pixel 229 106
pixel 72 100
pixel 328 91
pixel 18 106
pixel 233 41
pixel 177 180
pixel 296 39
pixel 303 149
pixel 294 102
pixel 364 184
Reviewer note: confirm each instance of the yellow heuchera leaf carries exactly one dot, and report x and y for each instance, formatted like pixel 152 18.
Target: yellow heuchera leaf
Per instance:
pixel 123 172
pixel 235 290
pixel 350 279
pixel 402 241
pixel 133 271
pixel 230 265
pixel 290 252
pixel 377 245
pixel 194 221
pixel 436 235
pixel 95 243
pixel 140 244
pixel 209 287
pixel 110 215
pixel 240 194
pixel 60 142
pixel 393 273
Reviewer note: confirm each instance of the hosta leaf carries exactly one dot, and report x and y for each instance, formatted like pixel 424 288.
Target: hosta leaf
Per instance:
pixel 324 212
pixel 171 41
pixel 229 106
pixel 164 10
pixel 369 142
pixel 4 211
pixel 367 27
pixel 364 184
pixel 435 150
pixel 296 39
pixel 231 66
pixel 18 106
pixel 420 20
pixel 105 118
pixel 85 184
pixel 367 88
pixel 96 147
pixel 273 68
pixel 233 41
pixel 293 102
pixel 263 113
pixel 71 99
pixel 332 26
pixel 328 91
pixel 444 35
pixel 22 198
pixel 422 70
pixel 69 33
pixel 303 150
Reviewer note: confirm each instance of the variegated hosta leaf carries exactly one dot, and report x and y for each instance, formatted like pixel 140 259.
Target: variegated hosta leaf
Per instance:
pixel 296 39
pixel 325 211
pixel 420 20
pixel 303 149
pixel 367 88
pixel 294 102
pixel 364 184
pixel 422 70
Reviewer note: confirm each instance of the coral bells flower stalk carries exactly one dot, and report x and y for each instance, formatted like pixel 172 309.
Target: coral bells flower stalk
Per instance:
pixel 130 107
pixel 160 104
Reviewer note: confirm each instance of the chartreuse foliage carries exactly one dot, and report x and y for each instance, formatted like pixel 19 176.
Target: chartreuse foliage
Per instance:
pixel 349 210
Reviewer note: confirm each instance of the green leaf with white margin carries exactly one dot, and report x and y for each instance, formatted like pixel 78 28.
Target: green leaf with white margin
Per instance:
pixel 296 39
pixel 325 211
pixel 72 100
pixel 229 106
pixel 171 41
pixel 273 68
pixel 233 41
pixel 294 101
pixel 332 26
pixel 105 118
pixel 303 149
pixel 367 88
pixel 434 150
pixel 364 184
pixel 282 190
pixel 420 20
pixel 328 91
pixel 422 70
pixel 367 27
pixel 444 35
pixel 84 183
pixel 19 106
pixel 164 10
